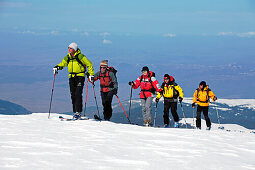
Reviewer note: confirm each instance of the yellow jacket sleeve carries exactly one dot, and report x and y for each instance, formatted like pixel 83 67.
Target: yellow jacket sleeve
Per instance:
pixel 88 64
pixel 63 63
pixel 179 89
pixel 159 95
pixel 211 95
pixel 195 97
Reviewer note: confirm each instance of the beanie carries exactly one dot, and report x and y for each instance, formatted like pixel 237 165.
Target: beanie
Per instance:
pixel 166 76
pixel 104 63
pixel 145 68
pixel 73 46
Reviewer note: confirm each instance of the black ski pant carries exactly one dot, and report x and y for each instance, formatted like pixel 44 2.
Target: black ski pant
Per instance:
pixel 107 104
pixel 76 89
pixel 167 106
pixel 203 109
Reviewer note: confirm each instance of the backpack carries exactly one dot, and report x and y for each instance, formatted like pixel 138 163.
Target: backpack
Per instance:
pixel 112 69
pixel 153 90
pixel 207 96
pixel 175 92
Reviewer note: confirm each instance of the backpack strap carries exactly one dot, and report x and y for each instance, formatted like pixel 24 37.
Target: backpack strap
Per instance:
pixel 207 96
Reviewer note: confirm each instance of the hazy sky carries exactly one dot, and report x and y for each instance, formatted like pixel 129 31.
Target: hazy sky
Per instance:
pixel 164 17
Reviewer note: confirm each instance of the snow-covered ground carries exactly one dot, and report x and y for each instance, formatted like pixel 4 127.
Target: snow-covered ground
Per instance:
pixel 32 142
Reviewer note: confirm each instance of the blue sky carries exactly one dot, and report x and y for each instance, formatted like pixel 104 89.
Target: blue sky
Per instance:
pixel 191 40
pixel 163 17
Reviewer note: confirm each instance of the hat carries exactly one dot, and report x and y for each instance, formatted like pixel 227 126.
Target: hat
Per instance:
pixel 145 68
pixel 166 76
pixel 104 63
pixel 73 46
pixel 203 83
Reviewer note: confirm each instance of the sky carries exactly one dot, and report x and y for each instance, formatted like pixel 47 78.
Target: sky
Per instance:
pixel 190 40
pixel 163 17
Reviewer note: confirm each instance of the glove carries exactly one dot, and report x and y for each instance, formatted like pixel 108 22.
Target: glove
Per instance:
pixel 91 78
pixel 180 99
pixel 115 91
pixel 215 98
pixel 55 70
pixel 157 100
pixel 131 83
pixel 193 105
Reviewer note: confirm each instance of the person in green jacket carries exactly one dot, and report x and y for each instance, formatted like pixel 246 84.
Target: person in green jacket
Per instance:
pixel 77 64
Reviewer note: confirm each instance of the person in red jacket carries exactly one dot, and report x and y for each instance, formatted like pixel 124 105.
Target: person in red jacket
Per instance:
pixel 148 85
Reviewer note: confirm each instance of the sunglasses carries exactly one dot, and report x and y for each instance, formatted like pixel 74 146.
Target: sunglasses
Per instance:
pixel 103 67
pixel 70 48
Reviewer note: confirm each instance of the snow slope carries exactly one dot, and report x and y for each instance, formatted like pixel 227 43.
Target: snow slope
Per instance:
pixel 35 142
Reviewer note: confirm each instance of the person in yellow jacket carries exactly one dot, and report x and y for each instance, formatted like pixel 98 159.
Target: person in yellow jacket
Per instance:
pixel 171 91
pixel 202 97
pixel 76 63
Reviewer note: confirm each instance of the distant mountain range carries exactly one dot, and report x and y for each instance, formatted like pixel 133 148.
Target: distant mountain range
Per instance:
pixel 240 115
pixel 9 108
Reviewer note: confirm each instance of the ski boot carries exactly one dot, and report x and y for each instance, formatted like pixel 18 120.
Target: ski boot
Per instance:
pixel 167 126
pixel 176 124
pixel 77 115
pixel 208 128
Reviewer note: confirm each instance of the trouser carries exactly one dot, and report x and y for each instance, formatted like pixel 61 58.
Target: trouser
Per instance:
pixel 205 112
pixel 146 109
pixel 76 88
pixel 167 106
pixel 107 104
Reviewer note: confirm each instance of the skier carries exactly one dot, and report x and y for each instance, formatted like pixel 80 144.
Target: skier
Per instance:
pixel 148 85
pixel 202 97
pixel 77 63
pixel 171 91
pixel 109 87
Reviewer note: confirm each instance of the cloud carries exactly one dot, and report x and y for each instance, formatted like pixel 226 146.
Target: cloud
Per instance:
pixel 12 5
pixel 85 34
pixel 169 35
pixel 105 34
pixel 246 34
pixel 225 33
pixel 53 32
pixel 107 41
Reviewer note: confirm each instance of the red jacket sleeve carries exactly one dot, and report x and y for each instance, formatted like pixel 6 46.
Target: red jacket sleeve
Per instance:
pixel 137 83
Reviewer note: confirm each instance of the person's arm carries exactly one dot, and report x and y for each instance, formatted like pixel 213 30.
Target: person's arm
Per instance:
pixel 155 84
pixel 97 76
pixel 179 89
pixel 136 83
pixel 63 63
pixel 88 64
pixel 114 80
pixel 212 95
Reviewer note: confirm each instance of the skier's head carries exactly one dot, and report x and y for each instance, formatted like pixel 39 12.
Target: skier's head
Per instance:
pixel 202 84
pixel 72 48
pixel 168 79
pixel 103 65
pixel 145 70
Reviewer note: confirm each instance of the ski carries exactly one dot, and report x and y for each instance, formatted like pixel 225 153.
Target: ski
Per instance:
pixel 72 119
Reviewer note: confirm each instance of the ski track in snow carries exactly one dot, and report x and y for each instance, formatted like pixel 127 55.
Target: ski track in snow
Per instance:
pixel 35 142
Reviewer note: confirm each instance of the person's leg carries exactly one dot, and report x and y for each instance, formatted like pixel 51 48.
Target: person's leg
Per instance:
pixel 72 85
pixel 148 109
pixel 198 121
pixel 78 93
pixel 108 106
pixel 174 111
pixel 207 119
pixel 143 110
pixel 166 112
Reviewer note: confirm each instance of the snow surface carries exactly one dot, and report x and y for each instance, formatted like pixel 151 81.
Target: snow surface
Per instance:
pixel 35 142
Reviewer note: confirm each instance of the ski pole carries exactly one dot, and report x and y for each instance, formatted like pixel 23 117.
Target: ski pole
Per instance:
pixel 217 114
pixel 193 117
pixel 51 95
pixel 86 98
pixel 123 109
pixel 183 115
pixel 96 101
pixel 155 114
pixel 130 102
